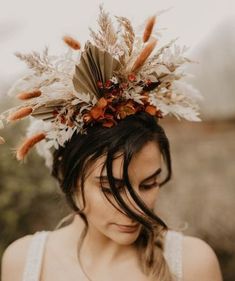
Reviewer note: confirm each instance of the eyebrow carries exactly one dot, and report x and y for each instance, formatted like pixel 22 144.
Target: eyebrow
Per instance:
pixel 120 180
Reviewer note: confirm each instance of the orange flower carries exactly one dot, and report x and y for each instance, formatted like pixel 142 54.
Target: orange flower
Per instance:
pixel 151 109
pixel 72 43
pixel 102 102
pixel 19 114
pixel 131 77
pixel 126 109
pixel 97 112
pixel 28 144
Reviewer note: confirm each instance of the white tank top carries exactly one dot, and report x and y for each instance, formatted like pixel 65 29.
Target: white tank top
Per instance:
pixel 32 270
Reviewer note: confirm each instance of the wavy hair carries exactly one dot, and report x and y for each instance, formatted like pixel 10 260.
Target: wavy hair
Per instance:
pixel 70 166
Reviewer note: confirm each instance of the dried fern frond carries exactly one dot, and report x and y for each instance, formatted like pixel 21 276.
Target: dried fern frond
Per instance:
pixel 129 34
pixel 161 50
pixel 39 63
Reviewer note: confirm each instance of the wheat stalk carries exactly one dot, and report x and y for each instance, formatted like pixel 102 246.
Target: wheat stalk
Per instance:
pixel 129 34
pixel 35 61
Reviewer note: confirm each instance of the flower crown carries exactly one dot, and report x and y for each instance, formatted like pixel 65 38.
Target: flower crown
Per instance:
pixel 116 75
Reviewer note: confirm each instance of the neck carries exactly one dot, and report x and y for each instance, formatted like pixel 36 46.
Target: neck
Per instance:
pixel 97 248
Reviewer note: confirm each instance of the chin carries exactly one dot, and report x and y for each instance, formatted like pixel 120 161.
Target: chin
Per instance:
pixel 124 238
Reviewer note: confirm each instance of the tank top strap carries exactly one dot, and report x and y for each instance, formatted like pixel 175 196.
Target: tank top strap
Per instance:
pixel 173 253
pixel 34 257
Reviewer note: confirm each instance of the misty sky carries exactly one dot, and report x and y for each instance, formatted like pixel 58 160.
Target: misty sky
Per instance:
pixel 30 25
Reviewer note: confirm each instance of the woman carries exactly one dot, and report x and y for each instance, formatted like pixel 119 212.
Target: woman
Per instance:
pixel 111 176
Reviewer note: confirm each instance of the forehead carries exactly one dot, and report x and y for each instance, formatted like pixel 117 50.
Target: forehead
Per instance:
pixel 143 163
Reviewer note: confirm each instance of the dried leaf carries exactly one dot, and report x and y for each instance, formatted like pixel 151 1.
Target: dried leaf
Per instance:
pixel 95 65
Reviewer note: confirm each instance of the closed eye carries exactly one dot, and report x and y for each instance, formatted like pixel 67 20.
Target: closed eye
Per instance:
pixel 142 187
pixel 149 186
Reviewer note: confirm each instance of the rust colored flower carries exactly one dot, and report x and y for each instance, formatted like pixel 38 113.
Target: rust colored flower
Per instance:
pixel 72 43
pixel 108 84
pixel 131 77
pixel 102 102
pixel 126 109
pixel 151 109
pixel 97 112
pixel 29 95
pixel 100 84
pixel 28 144
pixel 21 113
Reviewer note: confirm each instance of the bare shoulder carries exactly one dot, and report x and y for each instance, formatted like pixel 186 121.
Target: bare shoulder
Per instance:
pixel 14 258
pixel 199 261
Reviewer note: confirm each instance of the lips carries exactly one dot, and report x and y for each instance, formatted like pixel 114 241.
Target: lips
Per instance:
pixel 127 228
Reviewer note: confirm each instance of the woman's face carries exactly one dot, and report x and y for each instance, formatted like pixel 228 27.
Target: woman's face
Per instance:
pixel 105 218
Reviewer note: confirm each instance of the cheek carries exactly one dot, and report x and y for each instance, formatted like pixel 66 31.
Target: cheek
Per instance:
pixel 150 197
pixel 98 210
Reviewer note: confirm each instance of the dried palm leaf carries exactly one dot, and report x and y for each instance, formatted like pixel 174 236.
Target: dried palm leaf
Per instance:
pixel 95 65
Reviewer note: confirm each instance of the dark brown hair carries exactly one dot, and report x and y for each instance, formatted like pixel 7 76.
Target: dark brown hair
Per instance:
pixel 71 163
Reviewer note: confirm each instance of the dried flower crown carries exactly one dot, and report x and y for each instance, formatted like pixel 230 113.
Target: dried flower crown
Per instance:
pixel 115 76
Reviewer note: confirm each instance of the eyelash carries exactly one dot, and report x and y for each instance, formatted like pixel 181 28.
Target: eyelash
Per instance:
pixel 146 187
